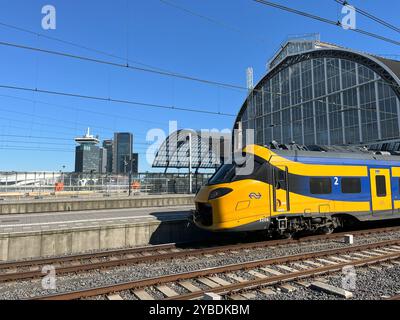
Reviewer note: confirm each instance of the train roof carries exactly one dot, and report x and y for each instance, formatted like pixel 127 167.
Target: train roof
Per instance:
pixel 295 151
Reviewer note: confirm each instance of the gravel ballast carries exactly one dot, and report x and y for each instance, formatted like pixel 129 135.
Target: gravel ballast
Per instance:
pixel 96 278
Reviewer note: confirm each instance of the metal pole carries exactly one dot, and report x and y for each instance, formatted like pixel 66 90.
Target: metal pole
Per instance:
pixel 130 180
pixel 130 174
pixel 190 162
pixel 117 184
pixel 196 174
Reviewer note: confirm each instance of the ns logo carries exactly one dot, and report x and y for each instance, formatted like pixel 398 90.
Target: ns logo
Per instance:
pixel 254 195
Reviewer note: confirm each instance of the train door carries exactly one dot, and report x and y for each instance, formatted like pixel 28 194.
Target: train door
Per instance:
pixel 381 192
pixel 280 189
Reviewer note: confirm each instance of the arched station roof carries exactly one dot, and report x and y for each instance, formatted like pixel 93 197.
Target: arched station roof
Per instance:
pixel 208 150
pixel 387 69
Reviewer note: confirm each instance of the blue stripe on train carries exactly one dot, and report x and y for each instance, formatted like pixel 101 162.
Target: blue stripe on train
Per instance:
pixel 301 185
pixel 395 185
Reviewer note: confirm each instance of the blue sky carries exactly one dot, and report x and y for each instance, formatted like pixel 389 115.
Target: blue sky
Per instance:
pixel 152 33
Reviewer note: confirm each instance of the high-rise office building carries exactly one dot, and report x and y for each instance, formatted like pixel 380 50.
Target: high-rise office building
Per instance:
pixel 87 154
pixel 122 152
pixel 108 147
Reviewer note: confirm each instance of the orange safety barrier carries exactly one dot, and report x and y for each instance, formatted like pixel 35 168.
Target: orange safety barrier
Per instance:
pixel 135 185
pixel 59 186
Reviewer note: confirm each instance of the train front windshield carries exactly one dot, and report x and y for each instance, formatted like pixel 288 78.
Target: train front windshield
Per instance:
pixel 224 174
pixel 250 168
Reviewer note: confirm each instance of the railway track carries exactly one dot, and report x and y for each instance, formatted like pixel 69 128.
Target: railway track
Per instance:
pixel 230 280
pixel 30 269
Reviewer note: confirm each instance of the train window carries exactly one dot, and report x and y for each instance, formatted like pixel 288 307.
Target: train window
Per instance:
pixel 259 170
pixel 223 175
pixel 320 185
pixel 380 186
pixel 262 173
pixel 280 179
pixel 351 185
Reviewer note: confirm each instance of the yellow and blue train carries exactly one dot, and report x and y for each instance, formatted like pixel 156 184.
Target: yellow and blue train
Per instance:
pixel 293 190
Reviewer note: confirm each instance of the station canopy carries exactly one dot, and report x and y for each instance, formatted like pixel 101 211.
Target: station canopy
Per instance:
pixel 209 149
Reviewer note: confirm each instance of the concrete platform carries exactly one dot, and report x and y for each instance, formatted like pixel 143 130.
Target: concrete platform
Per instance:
pixel 39 235
pixel 93 203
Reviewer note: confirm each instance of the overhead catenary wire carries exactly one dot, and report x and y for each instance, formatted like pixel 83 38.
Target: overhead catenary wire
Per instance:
pixel 121 101
pixel 45 129
pixel 65 135
pixel 258 1
pixel 214 21
pixel 162 72
pixel 125 66
pixel 114 100
pixel 79 46
pixel 38 149
pixel 169 73
pixel 32 144
pixel 17 143
pixel 155 69
pixel 75 131
pixel 35 115
pixel 91 111
pixel 53 138
pixel 369 15
pixel 36 142
pixel 109 100
pixel 45 124
pixel 49 124
pixel 325 20
pixel 106 129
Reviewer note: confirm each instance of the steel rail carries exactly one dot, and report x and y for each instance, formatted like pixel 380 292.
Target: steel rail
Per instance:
pixel 84 293
pixel 254 284
pixel 185 245
pixel 159 256
pixel 53 260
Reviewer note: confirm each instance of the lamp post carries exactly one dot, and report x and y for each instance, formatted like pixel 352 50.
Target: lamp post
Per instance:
pixel 62 174
pixel 129 162
pixel 190 163
pixel 91 179
pixel 130 179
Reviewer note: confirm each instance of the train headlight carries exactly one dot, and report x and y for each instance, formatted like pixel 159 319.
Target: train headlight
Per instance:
pixel 217 193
